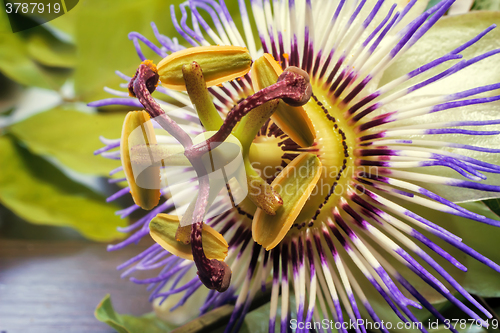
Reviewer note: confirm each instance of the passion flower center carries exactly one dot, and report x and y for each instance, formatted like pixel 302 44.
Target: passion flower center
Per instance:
pixel 334 145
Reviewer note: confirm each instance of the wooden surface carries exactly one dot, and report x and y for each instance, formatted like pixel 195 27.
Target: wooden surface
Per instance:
pixel 55 285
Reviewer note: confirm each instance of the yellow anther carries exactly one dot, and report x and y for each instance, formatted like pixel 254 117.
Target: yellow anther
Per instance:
pixel 294 121
pixel 146 197
pixel 163 230
pixel 219 64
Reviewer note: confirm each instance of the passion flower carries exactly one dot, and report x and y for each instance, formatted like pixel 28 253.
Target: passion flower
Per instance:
pixel 337 166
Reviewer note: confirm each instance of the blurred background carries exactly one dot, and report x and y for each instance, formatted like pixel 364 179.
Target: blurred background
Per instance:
pixel 55 222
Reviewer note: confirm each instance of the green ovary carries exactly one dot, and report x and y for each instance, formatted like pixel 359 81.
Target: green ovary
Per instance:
pixel 265 156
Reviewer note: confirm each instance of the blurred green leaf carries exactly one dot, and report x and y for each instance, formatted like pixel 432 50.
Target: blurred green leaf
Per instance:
pixel 48 50
pixel 4 23
pixel 40 193
pixel 257 321
pixel 71 137
pixel 101 35
pixel 494 205
pixel 9 95
pixel 19 59
pixel 15 63
pixel 486 5
pixel 479 279
pixel 446 35
pixel 213 320
pixel 66 24
pixel 129 324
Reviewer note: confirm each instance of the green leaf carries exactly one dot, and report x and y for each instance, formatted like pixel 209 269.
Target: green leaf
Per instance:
pixel 494 205
pixel 101 36
pixel 17 61
pixel 214 320
pixel 9 96
pixel 71 137
pixel 129 324
pixel 486 5
pixel 4 23
pixel 449 33
pixel 257 321
pixel 64 25
pixel 40 193
pixel 48 50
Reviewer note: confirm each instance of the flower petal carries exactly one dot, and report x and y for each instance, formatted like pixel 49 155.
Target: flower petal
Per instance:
pixel 454 143
pixel 447 34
